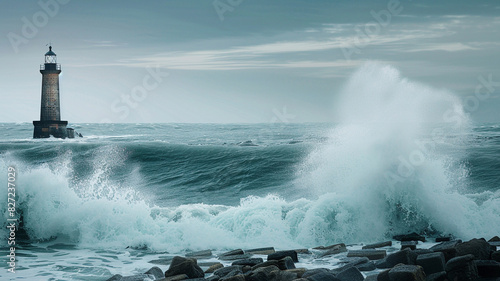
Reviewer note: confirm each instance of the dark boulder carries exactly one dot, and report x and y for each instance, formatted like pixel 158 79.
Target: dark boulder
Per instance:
pixel 233 270
pixel 250 262
pixel 495 256
pixel 350 274
pixel 431 263
pixel 214 267
pixel 462 268
pixel 116 277
pixel 443 239
pixel 448 248
pixel 239 277
pixel 266 264
pixel 156 272
pixel 438 276
pixel 407 273
pixel 281 254
pixel 377 245
pixel 199 254
pixel 409 237
pixel 261 251
pixel 412 245
pixel 369 253
pixel 233 253
pixel 488 268
pixel 323 276
pixel 286 263
pixel 315 271
pixel 263 274
pixel 479 248
pixel 368 266
pixel 405 256
pixel 181 265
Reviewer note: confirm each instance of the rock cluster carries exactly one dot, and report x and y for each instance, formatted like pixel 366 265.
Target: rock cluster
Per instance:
pixel 449 260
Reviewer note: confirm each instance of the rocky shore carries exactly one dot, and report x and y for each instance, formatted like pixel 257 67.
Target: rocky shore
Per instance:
pixel 405 259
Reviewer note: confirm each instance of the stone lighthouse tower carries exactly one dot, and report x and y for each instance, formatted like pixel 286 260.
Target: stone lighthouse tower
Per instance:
pixel 50 123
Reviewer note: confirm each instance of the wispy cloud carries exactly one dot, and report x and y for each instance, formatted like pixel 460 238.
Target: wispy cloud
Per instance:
pixel 447 47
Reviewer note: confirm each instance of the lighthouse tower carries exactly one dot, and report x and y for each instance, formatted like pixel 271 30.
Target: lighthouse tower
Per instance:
pixel 50 123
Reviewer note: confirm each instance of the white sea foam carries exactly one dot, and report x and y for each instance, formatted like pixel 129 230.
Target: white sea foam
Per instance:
pixel 355 191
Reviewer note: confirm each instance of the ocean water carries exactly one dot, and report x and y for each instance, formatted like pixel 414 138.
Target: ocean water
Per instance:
pixel 400 157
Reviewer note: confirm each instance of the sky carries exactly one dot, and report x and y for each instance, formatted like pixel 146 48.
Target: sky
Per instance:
pixel 239 61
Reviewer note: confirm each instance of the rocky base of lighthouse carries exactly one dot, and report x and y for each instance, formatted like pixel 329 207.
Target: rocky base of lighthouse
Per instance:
pixel 57 129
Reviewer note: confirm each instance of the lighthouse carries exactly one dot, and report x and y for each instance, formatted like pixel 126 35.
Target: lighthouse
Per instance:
pixel 50 123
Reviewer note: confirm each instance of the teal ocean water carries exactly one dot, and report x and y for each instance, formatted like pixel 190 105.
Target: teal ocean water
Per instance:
pixel 126 194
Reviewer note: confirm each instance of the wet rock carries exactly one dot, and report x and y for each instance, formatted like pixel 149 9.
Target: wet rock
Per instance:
pixel 495 256
pixel 419 252
pixel 138 277
pixel 350 274
pixel 494 239
pixel 263 273
pixel 176 277
pixel 323 276
pixel 350 262
pixel 371 277
pixel 156 272
pixel 234 270
pixel 462 268
pixel 235 257
pixel 116 277
pixel 412 245
pixel 438 276
pixel 285 276
pixel 315 271
pixel 334 246
pixel 281 254
pixel 405 272
pixel 233 253
pixel 266 264
pixel 479 248
pixel 384 275
pixel 443 239
pixel 447 248
pixel 330 250
pixel 368 266
pixel 298 271
pixel 286 263
pixel 181 265
pixel 378 245
pixel 212 278
pixel 431 263
pixel 370 253
pixel 409 237
pixel 404 257
pixel 239 277
pixel 261 251
pixel 250 262
pixel 488 268
pixel 214 267
pixel 303 251
pixel 199 254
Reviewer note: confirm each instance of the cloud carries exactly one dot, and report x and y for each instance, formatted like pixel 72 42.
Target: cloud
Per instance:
pixel 447 47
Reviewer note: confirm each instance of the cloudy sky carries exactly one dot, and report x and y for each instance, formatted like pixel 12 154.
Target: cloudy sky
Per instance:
pixel 233 61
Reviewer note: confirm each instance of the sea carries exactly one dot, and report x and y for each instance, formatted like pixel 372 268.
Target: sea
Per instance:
pixel 401 157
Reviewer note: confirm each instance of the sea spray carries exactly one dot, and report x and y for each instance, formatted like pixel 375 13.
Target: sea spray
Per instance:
pixel 108 193
pixel 393 164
